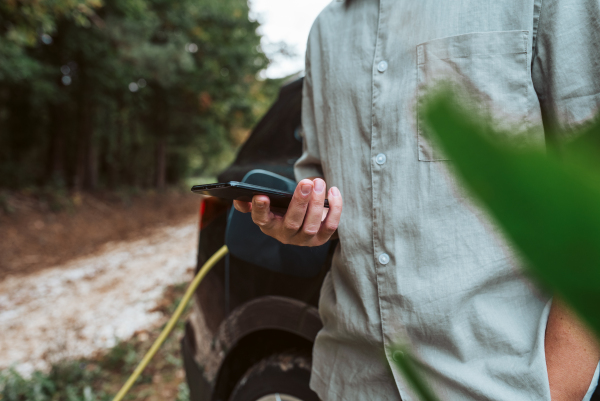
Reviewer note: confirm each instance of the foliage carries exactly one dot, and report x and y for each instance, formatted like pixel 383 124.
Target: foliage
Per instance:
pixel 125 92
pixel 409 368
pixel 546 202
pixel 66 381
pixel 184 393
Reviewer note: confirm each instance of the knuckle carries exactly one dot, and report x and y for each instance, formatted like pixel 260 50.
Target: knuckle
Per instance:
pixel 326 231
pixel 259 222
pixel 310 231
pixel 302 203
pixel 330 227
pixel 264 230
pixel 291 226
pixel 305 238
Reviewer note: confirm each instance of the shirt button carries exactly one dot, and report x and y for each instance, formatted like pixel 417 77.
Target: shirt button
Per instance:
pixel 384 259
pixel 382 66
pixel 397 355
pixel 380 159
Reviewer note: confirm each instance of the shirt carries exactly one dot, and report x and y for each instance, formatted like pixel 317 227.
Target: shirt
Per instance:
pixel 419 263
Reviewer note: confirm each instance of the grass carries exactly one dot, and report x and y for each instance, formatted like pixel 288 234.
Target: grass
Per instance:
pixel 99 378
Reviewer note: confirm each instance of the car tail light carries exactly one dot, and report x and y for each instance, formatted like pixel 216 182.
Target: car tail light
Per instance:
pixel 210 208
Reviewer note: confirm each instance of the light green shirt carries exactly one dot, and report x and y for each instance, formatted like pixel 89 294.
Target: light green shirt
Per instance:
pixel 418 263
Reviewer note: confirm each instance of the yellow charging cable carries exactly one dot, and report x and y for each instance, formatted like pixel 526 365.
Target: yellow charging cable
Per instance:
pixel 171 324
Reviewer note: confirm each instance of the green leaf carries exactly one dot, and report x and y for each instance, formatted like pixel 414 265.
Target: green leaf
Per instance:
pixel 548 205
pixel 408 366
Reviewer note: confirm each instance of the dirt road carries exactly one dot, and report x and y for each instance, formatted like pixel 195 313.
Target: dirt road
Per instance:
pixel 88 304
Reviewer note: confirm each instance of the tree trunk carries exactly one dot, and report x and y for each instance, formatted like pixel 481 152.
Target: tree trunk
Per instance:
pixel 116 167
pixel 56 156
pixel 92 161
pixel 161 114
pixel 83 140
pixel 86 174
pixel 161 163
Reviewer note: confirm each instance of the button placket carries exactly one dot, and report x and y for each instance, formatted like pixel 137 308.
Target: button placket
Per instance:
pixel 383 262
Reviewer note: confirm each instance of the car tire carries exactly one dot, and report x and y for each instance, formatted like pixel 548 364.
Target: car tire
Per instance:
pixel 279 377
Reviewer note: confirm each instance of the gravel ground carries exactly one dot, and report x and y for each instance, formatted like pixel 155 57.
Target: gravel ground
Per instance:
pixel 89 304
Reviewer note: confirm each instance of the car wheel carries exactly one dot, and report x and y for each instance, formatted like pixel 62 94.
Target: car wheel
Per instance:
pixel 280 377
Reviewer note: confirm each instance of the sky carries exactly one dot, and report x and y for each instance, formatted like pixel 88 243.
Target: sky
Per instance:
pixel 286 21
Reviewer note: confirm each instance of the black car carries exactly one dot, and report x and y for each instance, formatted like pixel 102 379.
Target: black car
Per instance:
pixel 254 318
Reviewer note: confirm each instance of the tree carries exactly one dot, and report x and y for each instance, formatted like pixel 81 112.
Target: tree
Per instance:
pixel 128 92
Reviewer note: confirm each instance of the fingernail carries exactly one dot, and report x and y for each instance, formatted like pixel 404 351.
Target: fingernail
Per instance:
pixel 319 186
pixel 335 191
pixel 260 203
pixel 305 189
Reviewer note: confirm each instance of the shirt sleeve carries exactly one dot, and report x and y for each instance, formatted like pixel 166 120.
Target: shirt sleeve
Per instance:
pixel 309 164
pixel 566 64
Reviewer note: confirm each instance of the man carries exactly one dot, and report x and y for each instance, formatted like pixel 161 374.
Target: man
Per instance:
pixel 418 263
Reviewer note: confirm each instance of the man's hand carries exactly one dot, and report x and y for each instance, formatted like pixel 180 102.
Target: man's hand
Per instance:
pixel 303 222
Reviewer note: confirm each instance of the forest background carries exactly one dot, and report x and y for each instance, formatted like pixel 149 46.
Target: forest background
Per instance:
pixel 106 94
pixel 109 110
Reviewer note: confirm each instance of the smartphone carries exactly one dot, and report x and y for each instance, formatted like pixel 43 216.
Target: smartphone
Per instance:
pixel 244 192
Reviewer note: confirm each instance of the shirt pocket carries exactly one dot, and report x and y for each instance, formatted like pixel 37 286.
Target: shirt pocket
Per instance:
pixel 489 71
